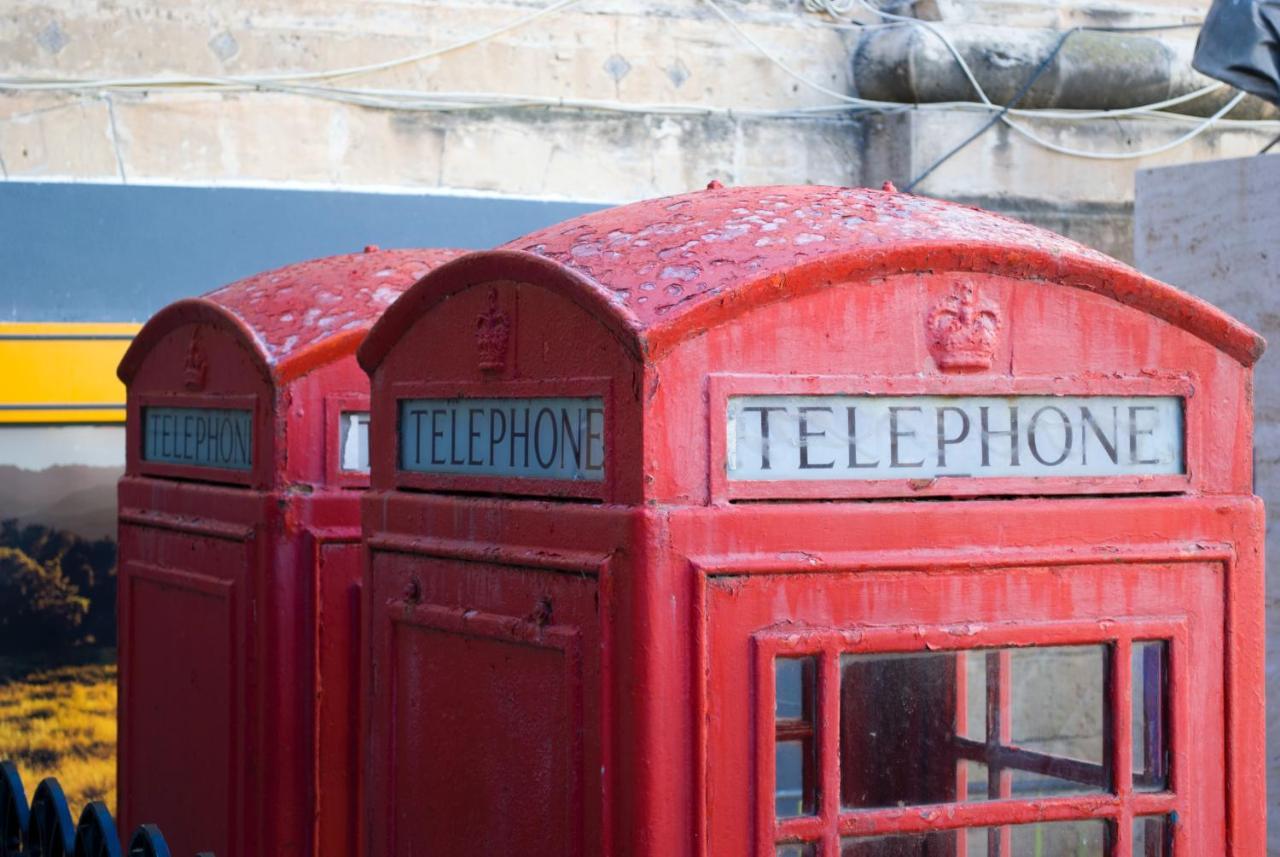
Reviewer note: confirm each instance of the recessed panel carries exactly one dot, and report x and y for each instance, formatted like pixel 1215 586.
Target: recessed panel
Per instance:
pixel 484 746
pixel 181 695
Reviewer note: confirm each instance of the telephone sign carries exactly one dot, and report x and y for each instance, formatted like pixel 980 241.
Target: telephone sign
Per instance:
pixel 546 438
pixel 922 437
pixel 203 437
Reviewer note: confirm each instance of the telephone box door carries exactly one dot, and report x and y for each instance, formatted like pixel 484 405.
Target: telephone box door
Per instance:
pixel 1044 709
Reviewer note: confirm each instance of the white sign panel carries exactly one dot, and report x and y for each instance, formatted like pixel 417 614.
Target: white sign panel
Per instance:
pixel 922 437
pixel 198 437
pixel 353 441
pixel 542 438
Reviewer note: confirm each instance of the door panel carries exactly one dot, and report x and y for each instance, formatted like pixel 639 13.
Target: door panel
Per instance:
pixel 966 713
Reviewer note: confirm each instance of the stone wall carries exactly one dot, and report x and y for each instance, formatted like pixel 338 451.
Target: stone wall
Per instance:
pixel 597 100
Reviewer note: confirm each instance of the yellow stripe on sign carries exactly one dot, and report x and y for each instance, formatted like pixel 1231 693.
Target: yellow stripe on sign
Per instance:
pixel 62 372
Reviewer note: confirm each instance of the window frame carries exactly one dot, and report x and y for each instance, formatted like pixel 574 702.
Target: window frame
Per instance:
pixel 1118 807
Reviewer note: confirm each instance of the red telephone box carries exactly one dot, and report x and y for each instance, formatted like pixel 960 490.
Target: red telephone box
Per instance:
pixel 810 521
pixel 239 558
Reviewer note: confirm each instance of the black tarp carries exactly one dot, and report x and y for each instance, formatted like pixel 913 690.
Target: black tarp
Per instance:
pixel 1240 44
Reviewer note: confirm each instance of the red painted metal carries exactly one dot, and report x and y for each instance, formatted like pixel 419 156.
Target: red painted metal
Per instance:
pixel 655 727
pixel 238 600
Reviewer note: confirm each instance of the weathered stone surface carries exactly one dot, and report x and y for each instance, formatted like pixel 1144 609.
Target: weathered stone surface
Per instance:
pixel 1213 229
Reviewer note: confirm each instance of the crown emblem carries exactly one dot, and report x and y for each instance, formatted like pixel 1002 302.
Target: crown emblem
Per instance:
pixel 195 370
pixel 963 330
pixel 493 333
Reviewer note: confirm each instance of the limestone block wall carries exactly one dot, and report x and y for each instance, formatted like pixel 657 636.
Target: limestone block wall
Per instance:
pixel 593 100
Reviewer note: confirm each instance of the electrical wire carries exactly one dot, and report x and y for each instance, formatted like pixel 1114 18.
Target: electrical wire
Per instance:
pixel 1141 153
pixel 1018 96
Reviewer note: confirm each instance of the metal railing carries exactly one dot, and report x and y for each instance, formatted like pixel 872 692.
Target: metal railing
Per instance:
pixel 43 828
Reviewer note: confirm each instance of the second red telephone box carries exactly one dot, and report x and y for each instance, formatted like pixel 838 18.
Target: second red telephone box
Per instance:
pixel 239 558
pixel 810 522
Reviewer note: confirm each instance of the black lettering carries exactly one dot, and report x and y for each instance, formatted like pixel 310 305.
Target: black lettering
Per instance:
pixel 1066 441
pixel 242 441
pixel 226 449
pixel 417 415
pixel 1135 434
pixel 515 433
pixel 943 440
pixel 1011 433
pixel 805 434
pixel 537 438
pixel 852 417
pixel 1111 447
pixel 764 432
pixel 453 438
pixel 215 439
pixel 572 432
pixel 435 413
pixel 497 432
pixel 164 436
pixel 153 434
pixel 473 434
pixel 593 435
pixel 894 434
pixel 186 437
pixel 202 436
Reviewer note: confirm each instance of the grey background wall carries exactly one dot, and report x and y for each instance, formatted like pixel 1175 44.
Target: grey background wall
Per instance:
pixel 97 252
pixel 1213 229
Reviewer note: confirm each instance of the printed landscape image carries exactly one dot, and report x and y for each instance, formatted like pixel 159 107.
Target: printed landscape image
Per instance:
pixel 60 720
pixel 57 628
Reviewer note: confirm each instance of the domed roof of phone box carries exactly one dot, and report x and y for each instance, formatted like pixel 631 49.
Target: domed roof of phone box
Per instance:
pixel 299 316
pixel 665 269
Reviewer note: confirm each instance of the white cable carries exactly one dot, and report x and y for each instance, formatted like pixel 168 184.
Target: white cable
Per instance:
pixel 812 84
pixel 1121 111
pixel 185 81
pixel 427 54
pixel 1143 153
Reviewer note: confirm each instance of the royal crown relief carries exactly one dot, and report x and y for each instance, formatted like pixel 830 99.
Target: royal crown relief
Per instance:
pixel 493 336
pixel 963 331
pixel 195 369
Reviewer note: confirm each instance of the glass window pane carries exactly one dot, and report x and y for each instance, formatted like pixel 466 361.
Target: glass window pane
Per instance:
pixel 1150 730
pixel 795 760
pixel 793 792
pixel 897 725
pixel 793 678
pixel 1059 704
pixel 797 849
pixel 1031 722
pixel 1152 836
pixel 1056 839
